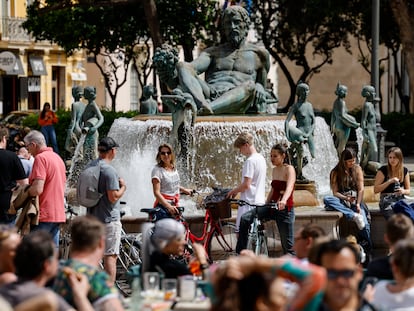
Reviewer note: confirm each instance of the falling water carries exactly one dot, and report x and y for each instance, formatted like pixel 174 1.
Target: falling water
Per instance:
pixel 213 162
pixel 76 164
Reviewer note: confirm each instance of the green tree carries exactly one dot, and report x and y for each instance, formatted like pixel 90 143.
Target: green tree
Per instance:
pixel 111 30
pixel 99 28
pixel 186 22
pixel 305 32
pixel 389 37
pixel 403 12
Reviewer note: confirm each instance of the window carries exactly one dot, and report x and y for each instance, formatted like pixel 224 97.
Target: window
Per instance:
pixel 134 85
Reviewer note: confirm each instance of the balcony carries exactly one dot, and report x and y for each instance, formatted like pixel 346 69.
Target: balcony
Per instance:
pixel 12 30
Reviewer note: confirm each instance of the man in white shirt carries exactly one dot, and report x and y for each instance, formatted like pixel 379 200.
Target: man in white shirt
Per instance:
pixel 252 186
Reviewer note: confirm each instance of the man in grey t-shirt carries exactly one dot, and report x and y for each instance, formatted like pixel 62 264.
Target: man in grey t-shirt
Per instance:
pixel 108 209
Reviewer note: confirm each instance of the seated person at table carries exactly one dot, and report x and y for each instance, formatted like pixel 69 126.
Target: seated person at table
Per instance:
pixel 87 250
pixel 9 240
pixel 36 263
pixel 162 242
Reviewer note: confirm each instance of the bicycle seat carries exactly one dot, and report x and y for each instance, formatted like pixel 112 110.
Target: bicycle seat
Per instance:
pixel 150 211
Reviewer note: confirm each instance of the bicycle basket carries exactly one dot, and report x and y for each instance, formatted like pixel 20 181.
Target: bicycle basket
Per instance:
pixel 218 204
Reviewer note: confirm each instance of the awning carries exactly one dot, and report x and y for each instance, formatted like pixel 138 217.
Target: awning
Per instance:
pixel 78 76
pixel 37 65
pixel 17 69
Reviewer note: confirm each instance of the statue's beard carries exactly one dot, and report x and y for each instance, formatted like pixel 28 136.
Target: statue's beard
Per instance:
pixel 236 38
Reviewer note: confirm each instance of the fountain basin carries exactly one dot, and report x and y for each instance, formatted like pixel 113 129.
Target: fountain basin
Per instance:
pixel 213 162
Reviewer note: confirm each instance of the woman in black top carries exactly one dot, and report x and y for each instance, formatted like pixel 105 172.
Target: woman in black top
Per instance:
pixel 392 181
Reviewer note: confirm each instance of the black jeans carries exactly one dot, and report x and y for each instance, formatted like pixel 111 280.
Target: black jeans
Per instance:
pixel 264 213
pixel 162 213
pixel 6 218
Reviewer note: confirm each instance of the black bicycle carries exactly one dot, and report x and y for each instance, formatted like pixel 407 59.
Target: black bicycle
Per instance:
pixel 257 240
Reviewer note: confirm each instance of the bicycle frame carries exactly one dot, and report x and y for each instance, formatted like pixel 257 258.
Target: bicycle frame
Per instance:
pixel 210 225
pixel 215 232
pixel 257 238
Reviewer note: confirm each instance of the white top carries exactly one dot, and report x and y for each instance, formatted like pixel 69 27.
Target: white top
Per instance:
pixel 255 168
pixel 169 180
pixel 384 299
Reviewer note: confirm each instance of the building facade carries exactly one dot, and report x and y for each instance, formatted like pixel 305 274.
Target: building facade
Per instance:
pixel 41 71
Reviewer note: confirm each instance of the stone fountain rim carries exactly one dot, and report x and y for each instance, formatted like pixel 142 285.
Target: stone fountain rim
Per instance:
pixel 214 118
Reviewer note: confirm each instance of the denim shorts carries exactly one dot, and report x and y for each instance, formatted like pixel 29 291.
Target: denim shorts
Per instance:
pixel 113 238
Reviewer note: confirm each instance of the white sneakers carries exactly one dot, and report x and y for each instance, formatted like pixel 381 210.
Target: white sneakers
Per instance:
pixel 359 220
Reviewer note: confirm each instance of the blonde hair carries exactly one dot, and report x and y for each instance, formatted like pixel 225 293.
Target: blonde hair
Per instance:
pixel 244 138
pixel 399 171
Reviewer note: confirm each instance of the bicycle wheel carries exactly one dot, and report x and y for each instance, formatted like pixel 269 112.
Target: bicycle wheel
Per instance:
pixel 252 236
pixel 64 242
pixel 129 256
pixel 261 245
pixel 129 252
pixel 222 243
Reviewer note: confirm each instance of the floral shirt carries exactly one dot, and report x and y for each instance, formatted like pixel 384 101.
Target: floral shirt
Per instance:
pixel 99 289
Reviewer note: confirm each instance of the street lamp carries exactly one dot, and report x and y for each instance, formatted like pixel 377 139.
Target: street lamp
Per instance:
pixel 375 77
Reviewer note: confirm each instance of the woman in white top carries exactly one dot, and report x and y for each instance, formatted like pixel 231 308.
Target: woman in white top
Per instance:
pixel 398 294
pixel 166 183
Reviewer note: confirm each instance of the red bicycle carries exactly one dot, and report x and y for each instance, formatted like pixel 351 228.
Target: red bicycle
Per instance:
pixel 218 235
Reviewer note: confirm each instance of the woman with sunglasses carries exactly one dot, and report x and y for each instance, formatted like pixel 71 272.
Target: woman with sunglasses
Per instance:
pixel 166 183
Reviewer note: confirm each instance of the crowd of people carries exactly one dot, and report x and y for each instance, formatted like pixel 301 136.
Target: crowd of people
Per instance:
pixel 317 272
pixel 248 282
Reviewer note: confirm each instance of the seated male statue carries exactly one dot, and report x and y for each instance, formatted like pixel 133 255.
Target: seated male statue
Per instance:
pixel 235 72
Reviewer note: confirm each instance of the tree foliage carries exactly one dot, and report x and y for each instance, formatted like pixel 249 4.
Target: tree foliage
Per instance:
pixel 292 29
pixel 186 22
pixel 389 37
pixel 403 12
pixel 111 30
pixel 305 32
pixel 107 31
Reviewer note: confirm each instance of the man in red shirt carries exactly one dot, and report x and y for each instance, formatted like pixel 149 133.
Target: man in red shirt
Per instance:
pixel 47 181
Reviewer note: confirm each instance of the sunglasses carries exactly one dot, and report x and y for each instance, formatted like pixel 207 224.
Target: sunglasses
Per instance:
pixel 165 153
pixel 334 274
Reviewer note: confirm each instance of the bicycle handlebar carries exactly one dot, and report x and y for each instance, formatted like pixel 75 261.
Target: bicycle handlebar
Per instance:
pixel 242 202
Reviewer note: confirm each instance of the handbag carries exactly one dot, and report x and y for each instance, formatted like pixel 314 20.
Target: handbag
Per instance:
pixel 387 200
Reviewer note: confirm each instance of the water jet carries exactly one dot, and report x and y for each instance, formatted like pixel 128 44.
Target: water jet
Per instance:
pixel 213 162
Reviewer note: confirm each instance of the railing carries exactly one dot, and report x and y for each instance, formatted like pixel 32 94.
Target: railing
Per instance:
pixel 11 29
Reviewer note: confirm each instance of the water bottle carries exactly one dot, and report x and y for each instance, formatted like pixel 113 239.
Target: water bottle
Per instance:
pixel 137 300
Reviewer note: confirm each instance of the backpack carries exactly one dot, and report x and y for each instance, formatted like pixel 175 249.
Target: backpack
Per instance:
pixel 87 188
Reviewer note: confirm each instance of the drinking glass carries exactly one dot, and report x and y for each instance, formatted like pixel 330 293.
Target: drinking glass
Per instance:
pixel 187 286
pixel 151 281
pixel 169 287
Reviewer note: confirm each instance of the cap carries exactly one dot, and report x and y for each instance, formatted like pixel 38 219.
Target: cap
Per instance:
pixel 106 144
pixel 166 230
